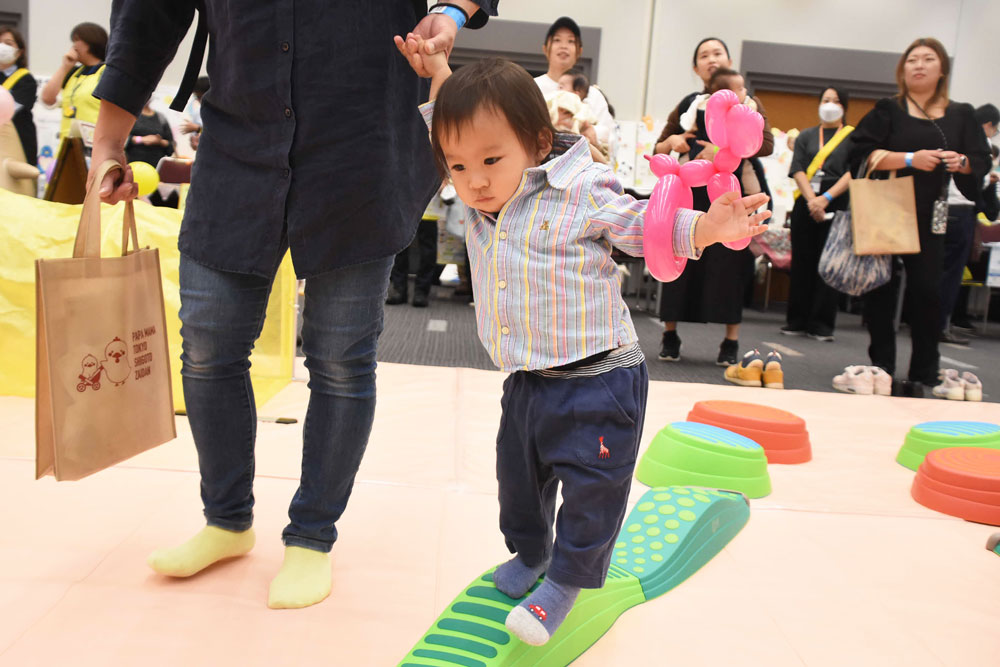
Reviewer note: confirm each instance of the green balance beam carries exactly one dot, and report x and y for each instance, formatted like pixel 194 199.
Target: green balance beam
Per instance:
pixel 667 537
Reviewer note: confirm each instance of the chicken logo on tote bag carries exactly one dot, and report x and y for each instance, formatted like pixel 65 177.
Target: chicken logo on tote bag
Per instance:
pixel 116 368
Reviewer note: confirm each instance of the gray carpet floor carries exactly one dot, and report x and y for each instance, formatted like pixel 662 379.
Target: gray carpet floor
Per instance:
pixel 444 334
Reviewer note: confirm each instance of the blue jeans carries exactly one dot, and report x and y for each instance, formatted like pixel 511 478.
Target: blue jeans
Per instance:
pixel 222 314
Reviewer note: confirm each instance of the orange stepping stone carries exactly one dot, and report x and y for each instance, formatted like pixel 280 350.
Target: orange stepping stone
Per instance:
pixel 962 482
pixel 782 435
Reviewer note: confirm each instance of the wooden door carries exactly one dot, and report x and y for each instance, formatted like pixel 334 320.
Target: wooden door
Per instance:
pixel 799 110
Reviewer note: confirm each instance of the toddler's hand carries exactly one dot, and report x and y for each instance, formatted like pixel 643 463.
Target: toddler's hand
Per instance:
pixel 731 218
pixel 416 51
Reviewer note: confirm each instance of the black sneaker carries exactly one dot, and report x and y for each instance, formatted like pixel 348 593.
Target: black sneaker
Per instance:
pixel 670 347
pixel 822 337
pixel 728 353
pixel 395 296
pixel 964 326
pixel 907 389
pixel 792 331
pixel 420 299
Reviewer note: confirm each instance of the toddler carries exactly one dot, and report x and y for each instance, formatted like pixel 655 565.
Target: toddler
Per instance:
pixel 542 219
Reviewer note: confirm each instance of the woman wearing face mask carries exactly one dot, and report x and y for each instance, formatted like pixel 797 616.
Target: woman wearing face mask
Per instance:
pixel 711 289
pixel 819 168
pixel 79 72
pixel 934 140
pixel 15 77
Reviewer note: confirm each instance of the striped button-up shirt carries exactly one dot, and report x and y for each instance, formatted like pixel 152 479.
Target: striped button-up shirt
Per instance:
pixel 546 290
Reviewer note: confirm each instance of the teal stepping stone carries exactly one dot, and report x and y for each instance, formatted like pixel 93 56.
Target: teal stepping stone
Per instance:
pixel 993 544
pixel 471 631
pixel 928 436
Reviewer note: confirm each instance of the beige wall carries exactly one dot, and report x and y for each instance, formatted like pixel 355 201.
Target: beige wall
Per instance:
pixel 624 41
pixel 966 27
pixel 52 20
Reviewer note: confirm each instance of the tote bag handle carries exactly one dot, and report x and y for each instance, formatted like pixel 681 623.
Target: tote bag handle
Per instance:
pixel 88 234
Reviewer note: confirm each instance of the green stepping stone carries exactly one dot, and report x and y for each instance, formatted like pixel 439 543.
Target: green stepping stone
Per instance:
pixel 693 454
pixel 925 438
pixel 993 544
pixel 471 632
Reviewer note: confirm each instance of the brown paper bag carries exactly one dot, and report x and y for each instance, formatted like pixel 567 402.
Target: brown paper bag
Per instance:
pixel 884 214
pixel 102 370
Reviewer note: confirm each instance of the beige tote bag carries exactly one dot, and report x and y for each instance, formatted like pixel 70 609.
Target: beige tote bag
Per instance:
pixel 102 369
pixel 883 213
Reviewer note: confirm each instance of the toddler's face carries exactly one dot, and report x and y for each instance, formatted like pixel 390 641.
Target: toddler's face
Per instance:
pixel 486 160
pixel 565 118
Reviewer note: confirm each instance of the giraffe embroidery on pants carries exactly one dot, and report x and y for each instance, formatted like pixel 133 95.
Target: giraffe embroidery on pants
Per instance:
pixel 605 453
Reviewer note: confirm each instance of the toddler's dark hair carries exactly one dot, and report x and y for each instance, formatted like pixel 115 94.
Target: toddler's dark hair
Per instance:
pixel 720 79
pixel 580 85
pixel 499 85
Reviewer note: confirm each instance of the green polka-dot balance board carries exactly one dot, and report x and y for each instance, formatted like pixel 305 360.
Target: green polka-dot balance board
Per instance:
pixel 666 538
pixel 704 455
pixel 925 438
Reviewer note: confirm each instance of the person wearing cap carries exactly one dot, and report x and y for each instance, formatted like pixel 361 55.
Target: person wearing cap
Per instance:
pixel 312 142
pixel 563 47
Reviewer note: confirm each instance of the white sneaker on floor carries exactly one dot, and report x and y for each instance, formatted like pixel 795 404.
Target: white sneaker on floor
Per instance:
pixel 973 387
pixel 951 386
pixel 855 380
pixel 881 381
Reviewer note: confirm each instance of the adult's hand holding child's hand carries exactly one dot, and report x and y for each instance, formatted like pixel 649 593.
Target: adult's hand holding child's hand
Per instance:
pixel 731 218
pixel 416 51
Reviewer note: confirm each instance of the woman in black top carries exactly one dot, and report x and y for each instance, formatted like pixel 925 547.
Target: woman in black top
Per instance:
pixel 812 304
pixel 150 139
pixel 711 289
pixel 934 140
pixel 15 77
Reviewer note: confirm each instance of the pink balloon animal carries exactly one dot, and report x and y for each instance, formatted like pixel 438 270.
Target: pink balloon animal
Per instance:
pixel 738 131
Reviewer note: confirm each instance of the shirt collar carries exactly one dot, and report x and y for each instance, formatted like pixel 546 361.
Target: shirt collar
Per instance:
pixel 10 70
pixel 570 155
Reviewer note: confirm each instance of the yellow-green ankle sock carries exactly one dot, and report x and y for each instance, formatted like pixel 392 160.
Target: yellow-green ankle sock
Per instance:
pixel 209 546
pixel 304 579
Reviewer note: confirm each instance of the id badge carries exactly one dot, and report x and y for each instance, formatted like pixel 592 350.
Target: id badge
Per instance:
pixel 817 182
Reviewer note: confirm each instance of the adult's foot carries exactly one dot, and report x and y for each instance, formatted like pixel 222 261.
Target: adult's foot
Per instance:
pixel 670 347
pixel 302 581
pixel 209 546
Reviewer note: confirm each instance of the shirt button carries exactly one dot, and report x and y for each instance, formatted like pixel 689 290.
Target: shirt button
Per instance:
pixel 503 235
pixel 502 284
pixel 285 46
pixel 505 331
pixel 288 112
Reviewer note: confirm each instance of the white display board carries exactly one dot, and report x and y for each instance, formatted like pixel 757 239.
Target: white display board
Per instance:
pixel 993 270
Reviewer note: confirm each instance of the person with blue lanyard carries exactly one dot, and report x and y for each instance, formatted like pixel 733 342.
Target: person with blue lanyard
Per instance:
pixel 311 141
